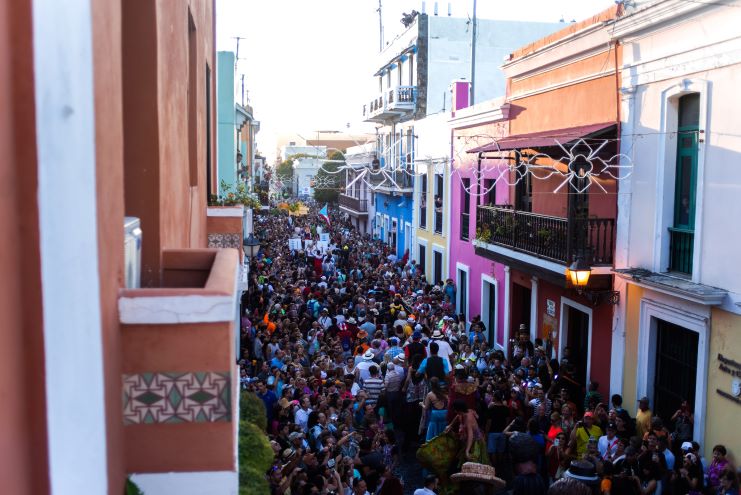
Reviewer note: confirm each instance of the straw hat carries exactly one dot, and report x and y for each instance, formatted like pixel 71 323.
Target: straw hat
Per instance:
pixel 473 471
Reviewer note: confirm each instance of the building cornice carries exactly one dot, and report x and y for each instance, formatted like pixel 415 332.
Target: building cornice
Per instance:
pixel 494 114
pixel 652 15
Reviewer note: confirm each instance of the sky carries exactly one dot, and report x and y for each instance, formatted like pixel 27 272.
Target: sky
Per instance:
pixel 308 64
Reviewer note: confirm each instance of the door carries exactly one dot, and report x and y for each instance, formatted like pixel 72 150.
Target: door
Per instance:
pixel 408 238
pixel 489 305
pixel 675 377
pixel 520 309
pixel 463 293
pixel 438 270
pixel 577 340
pixel 422 261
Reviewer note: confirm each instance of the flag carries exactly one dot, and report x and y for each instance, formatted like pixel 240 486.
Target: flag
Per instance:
pixel 324 213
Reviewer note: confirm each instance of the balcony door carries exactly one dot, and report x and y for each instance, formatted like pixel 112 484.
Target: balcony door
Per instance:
pixel 682 234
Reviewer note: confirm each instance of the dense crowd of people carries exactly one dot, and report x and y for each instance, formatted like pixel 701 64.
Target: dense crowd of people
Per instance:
pixel 359 361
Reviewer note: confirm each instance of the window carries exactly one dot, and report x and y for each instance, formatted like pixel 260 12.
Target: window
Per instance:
pixel 490 192
pixel 411 70
pixel 423 202
pixel 439 203
pixel 682 234
pixel 192 102
pixel 209 184
pixel 465 207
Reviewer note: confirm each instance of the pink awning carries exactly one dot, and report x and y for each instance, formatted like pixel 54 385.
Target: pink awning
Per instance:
pixel 544 139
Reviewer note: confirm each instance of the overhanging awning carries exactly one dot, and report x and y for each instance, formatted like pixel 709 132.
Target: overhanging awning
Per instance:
pixel 545 139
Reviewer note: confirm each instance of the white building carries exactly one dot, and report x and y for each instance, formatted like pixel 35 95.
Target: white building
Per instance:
pixel 413 74
pixel 357 198
pixel 679 222
pixel 307 160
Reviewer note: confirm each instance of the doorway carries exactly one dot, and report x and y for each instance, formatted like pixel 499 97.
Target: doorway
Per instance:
pixel 489 308
pixel 462 282
pixel 438 266
pixel 576 335
pixel 521 304
pixel 675 378
pixel 577 340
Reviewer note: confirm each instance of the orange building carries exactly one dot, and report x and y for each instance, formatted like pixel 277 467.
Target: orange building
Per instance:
pixel 563 115
pixel 108 113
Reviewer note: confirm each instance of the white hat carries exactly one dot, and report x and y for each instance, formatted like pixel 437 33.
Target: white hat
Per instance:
pixel 351 320
pixel 399 357
pixel 437 334
pixel 368 355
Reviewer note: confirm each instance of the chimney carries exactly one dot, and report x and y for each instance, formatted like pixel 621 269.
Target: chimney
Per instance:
pixel 461 90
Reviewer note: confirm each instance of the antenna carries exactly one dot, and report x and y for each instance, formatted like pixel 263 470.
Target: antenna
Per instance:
pixel 380 27
pixel 450 11
pixel 424 7
pixel 473 55
pixel 435 8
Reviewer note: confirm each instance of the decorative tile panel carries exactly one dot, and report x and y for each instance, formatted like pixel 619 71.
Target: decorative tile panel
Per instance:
pixel 225 240
pixel 197 397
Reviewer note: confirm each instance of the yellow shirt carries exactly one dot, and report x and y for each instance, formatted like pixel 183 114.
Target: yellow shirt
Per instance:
pixel 582 437
pixel 643 422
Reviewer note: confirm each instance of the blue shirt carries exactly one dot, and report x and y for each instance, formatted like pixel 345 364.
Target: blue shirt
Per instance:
pixel 269 399
pixel 423 366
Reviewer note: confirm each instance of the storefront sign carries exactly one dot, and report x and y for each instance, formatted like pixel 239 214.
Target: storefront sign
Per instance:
pixel 550 307
pixel 733 368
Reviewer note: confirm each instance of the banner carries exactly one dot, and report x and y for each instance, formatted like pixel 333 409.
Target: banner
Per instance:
pixel 294 244
pixel 324 237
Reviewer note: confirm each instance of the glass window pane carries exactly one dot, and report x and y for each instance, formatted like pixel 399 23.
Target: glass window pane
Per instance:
pixel 689 110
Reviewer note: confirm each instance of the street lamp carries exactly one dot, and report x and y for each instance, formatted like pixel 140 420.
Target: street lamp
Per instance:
pixel 251 246
pixel 579 272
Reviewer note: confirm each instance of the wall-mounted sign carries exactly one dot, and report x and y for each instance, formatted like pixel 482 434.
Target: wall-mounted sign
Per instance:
pixel 550 307
pixel 733 368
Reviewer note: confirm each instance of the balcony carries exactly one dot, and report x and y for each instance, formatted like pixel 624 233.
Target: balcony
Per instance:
pixel 353 205
pixel 179 380
pixel 401 98
pixel 681 248
pixel 547 237
pixel 438 221
pixel 397 182
pixel 391 104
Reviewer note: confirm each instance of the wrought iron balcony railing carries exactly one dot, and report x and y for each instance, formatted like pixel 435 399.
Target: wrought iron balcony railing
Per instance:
pixel 548 237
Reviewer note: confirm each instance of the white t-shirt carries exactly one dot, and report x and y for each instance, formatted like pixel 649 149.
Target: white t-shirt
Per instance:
pixel 444 350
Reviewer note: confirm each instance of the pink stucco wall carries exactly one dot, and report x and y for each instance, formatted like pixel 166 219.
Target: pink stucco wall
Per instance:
pixel 462 251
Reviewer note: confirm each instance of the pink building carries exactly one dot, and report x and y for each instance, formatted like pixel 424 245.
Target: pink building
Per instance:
pixel 480 281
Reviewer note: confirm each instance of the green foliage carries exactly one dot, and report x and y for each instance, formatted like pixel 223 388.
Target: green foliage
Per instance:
pixel 327 173
pixel 483 234
pixel 131 488
pixel 232 196
pixel 252 409
pixel 285 168
pixel 255 458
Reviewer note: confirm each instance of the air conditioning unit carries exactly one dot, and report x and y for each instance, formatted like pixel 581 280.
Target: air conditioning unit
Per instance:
pixel 132 252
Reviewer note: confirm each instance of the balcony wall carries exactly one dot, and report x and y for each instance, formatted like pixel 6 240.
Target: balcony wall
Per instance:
pixel 224 226
pixel 178 373
pixel 355 204
pixel 546 236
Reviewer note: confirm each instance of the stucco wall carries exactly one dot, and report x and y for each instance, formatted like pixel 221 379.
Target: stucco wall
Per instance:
pixel 110 200
pixel 159 186
pixel 23 430
pixel 725 338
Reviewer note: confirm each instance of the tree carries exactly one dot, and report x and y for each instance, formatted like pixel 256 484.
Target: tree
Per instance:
pixel 327 181
pixel 285 168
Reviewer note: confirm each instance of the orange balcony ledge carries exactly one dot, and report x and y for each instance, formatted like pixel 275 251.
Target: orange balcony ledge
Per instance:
pixel 179 380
